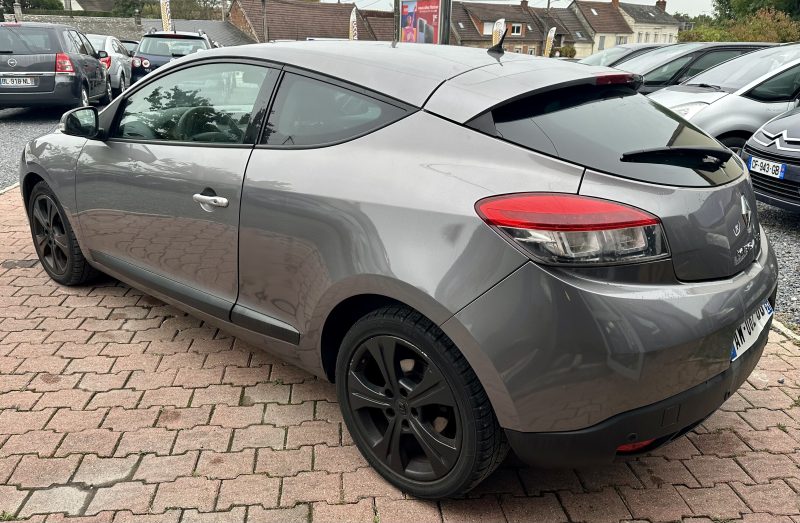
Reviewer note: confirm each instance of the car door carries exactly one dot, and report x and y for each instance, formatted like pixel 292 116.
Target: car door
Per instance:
pixel 159 199
pixel 82 62
pixel 122 58
pixel 95 70
pixel 773 96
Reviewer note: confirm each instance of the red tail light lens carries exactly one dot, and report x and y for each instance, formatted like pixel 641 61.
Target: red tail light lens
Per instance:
pixel 569 229
pixel 64 64
pixel 106 61
pixel 136 62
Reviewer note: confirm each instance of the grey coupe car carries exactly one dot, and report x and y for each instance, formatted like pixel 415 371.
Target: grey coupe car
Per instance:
pixel 437 230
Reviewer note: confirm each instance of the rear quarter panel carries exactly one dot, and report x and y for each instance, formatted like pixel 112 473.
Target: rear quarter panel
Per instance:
pixel 391 213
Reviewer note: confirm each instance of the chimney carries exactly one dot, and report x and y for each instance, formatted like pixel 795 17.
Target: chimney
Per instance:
pixel 615 3
pixel 662 5
pixel 524 4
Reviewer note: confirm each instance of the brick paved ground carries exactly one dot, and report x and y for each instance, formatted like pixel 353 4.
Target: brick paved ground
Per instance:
pixel 115 407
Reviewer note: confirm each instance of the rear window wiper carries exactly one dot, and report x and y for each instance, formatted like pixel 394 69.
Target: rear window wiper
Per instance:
pixel 704 158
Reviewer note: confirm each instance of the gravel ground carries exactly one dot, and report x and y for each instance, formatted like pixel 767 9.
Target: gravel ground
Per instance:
pixel 18 126
pixel 783 229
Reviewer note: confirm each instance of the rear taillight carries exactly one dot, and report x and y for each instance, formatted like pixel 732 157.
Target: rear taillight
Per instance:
pixel 136 62
pixel 64 64
pixel 634 80
pixel 106 61
pixel 575 230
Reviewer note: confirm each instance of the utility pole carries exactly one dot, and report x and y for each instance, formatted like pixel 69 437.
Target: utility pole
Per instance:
pixel 548 6
pixel 223 10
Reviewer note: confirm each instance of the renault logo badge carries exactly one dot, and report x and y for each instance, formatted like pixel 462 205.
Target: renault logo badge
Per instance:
pixel 747 214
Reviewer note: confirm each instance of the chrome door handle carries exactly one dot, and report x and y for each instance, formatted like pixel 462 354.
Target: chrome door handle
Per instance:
pixel 210 201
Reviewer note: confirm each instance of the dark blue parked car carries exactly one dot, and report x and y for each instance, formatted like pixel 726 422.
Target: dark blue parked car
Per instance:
pixel 773 156
pixel 50 64
pixel 159 47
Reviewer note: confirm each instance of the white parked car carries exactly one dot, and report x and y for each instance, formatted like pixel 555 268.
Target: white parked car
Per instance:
pixel 732 100
pixel 118 61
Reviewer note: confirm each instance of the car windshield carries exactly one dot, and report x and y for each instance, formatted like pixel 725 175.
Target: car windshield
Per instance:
pixel 98 42
pixel 735 74
pixel 645 63
pixel 609 56
pixel 17 39
pixel 170 45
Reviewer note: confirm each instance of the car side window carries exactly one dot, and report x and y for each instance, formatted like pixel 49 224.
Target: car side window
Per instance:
pixel 78 43
pixel 210 103
pixel 70 45
pixel 664 74
pixel 782 87
pixel 87 46
pixel 709 60
pixel 309 112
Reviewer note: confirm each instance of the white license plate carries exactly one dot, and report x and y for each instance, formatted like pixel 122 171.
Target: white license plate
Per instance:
pixel 774 169
pixel 749 331
pixel 18 81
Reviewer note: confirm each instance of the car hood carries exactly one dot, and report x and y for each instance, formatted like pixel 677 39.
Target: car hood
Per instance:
pixel 686 94
pixel 780 135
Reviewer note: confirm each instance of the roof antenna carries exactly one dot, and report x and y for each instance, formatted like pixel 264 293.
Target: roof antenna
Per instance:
pixel 497 48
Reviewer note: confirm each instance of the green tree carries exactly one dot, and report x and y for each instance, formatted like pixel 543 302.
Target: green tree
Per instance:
pixel 745 8
pixel 765 25
pixel 723 9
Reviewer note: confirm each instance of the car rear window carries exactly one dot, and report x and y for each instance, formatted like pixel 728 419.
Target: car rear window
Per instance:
pixel 607 57
pixel 98 42
pixel 27 40
pixel 645 63
pixel 171 45
pixel 594 126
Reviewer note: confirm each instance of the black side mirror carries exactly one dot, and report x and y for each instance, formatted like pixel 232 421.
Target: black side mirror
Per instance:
pixel 80 122
pixel 102 54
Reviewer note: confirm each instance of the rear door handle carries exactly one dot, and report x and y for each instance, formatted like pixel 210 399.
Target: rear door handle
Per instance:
pixel 210 201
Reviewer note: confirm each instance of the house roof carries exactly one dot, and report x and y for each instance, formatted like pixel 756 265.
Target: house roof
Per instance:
pixel 648 14
pixel 223 32
pixel 463 13
pixel 380 24
pixel 603 17
pixel 299 20
pixel 547 19
pixel 573 24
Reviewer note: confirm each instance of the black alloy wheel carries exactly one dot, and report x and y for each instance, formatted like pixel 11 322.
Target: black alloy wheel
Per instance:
pixel 404 408
pixel 50 235
pixel 414 407
pixel 54 239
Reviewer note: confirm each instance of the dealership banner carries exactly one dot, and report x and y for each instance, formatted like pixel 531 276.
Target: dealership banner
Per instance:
pixel 419 21
pixel 166 16
pixel 551 36
pixel 353 34
pixel 498 30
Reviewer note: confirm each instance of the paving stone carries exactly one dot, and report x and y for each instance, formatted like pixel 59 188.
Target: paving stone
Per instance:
pixel 161 469
pixel 95 470
pixel 133 496
pixel 719 502
pixel 255 489
pixel 423 511
pixel 69 500
pixel 325 513
pixel 225 465
pixel 197 493
pixel 296 514
pixel 35 472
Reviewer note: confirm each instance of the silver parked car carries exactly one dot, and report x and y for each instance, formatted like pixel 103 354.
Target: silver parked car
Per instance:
pixel 447 239
pixel 734 99
pixel 118 61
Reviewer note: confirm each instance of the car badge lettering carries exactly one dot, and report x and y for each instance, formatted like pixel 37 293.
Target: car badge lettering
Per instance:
pixel 747 214
pixel 12 62
pixel 737 229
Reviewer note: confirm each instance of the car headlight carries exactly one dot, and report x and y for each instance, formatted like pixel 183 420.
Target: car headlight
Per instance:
pixel 688 111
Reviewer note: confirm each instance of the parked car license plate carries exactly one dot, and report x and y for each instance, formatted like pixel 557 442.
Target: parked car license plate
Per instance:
pixel 776 170
pixel 749 331
pixel 18 81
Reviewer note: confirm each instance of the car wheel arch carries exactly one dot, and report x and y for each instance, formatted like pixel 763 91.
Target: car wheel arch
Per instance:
pixel 735 134
pixel 28 182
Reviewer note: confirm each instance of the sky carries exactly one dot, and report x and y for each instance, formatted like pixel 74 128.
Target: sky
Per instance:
pixel 693 7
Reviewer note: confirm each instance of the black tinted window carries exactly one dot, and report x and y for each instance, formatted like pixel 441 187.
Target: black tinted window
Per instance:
pixel 78 43
pixel 208 103
pixel 171 46
pixel 779 88
pixel 709 60
pixel 662 75
pixel 595 126
pixel 309 112
pixel 27 40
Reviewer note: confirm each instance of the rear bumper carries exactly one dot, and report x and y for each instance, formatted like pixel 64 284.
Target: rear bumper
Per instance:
pixel 663 422
pixel 559 351
pixel 65 93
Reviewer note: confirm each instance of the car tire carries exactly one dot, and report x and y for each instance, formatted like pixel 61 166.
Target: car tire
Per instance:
pixel 54 239
pixel 121 88
pixel 83 99
pixel 108 95
pixel 392 421
pixel 734 143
